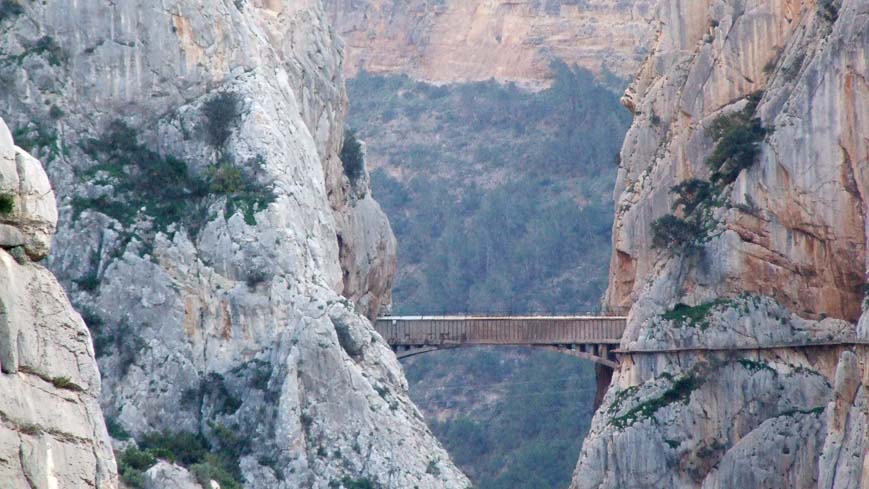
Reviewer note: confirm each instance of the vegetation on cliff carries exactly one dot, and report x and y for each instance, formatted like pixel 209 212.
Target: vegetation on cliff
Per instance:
pixel 737 137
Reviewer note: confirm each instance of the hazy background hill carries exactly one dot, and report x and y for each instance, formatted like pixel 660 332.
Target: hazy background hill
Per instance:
pixel 501 202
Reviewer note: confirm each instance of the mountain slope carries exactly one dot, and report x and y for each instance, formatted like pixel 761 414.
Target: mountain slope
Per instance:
pixel 222 257
pixel 740 224
pixel 458 41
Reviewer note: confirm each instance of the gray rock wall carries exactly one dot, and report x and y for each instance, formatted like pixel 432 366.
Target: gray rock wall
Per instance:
pixel 52 432
pixel 206 312
pixel 780 257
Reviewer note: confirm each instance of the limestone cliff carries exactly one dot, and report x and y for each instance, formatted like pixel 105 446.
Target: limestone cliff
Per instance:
pixel 52 432
pixel 741 228
pixel 448 41
pixel 211 236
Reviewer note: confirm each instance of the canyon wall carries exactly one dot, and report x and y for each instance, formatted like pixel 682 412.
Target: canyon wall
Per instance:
pixel 52 432
pixel 221 255
pixel 449 41
pixel 741 229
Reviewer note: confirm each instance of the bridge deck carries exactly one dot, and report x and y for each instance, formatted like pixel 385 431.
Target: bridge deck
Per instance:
pixel 500 330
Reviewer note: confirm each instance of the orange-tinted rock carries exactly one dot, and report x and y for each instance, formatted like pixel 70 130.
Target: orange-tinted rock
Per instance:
pixel 472 40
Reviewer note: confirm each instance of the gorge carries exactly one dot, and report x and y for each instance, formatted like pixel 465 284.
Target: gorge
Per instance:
pixel 193 253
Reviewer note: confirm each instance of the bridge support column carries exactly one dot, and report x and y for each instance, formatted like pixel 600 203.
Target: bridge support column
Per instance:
pixel 604 375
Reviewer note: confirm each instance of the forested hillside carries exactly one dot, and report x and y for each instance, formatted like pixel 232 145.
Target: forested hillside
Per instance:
pixel 501 200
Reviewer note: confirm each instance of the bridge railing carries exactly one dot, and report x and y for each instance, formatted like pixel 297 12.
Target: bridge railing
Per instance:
pixel 528 330
pixel 619 312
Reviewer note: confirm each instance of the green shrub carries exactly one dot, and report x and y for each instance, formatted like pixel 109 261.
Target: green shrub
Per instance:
pixel 736 151
pixel 116 430
pixel 240 187
pixel 143 181
pixel 163 188
pixel 220 113
pixel 225 179
pixel 694 316
pixel 47 46
pixel 7 203
pixel 213 469
pixel 55 112
pixel 10 9
pixel 213 388
pixel 132 464
pixel 137 459
pixel 756 366
pixel 64 382
pixel 189 450
pixel 829 10
pixel 134 479
pixel 88 282
pixel 127 342
pixel 738 137
pixel 35 135
pixel 679 391
pixel 691 194
pixel 670 231
pixel 182 447
pixel 351 156
pixel 102 339
pixel 361 483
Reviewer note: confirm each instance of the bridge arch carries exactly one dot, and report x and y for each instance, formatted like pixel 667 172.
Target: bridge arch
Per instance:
pixel 599 354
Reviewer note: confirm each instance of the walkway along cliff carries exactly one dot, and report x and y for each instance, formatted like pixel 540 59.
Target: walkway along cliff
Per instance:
pixel 741 226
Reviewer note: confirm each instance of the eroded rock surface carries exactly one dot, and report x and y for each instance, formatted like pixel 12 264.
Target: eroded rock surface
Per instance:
pixel 211 237
pixel 473 40
pixel 52 432
pixel 777 255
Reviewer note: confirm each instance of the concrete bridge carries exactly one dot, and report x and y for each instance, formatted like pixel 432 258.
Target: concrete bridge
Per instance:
pixel 590 337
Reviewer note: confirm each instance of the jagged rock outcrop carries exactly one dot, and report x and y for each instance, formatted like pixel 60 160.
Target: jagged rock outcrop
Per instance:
pixel 779 235
pixel 460 40
pixel 52 432
pixel 205 220
pixel 759 110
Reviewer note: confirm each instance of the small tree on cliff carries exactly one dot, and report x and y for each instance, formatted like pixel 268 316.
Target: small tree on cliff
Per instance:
pixel 351 156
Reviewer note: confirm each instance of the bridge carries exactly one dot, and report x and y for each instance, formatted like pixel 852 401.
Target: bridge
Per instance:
pixel 590 337
pixel 594 338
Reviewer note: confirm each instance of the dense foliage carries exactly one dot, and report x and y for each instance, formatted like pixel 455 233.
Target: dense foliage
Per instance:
pixel 220 113
pixel 737 137
pixel 504 201
pixel 501 202
pixel 7 203
pixel 351 156
pixel 162 188
pixel 670 232
pixel 530 436
pixel 10 9
pixel 204 460
pixel 829 10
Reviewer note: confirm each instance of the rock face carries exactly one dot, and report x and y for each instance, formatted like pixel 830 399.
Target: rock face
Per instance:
pixel 52 432
pixel 211 237
pixel 461 40
pixel 775 254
